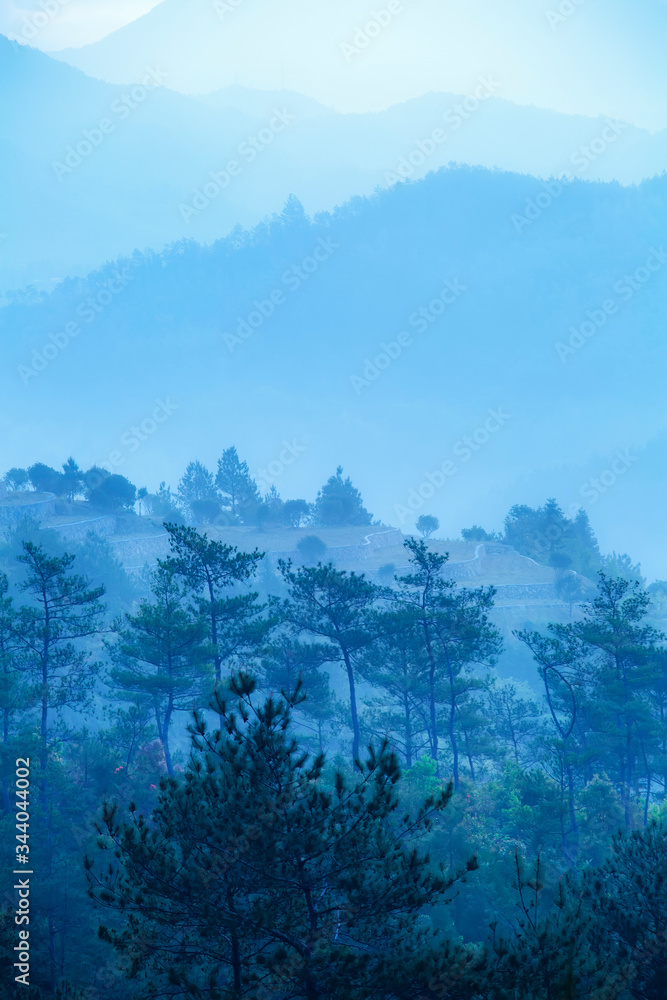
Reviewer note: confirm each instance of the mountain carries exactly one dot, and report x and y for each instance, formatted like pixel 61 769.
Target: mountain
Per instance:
pixel 454 351
pixel 591 58
pixel 138 184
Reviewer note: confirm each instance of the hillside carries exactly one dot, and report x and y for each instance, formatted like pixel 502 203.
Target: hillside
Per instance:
pixel 174 332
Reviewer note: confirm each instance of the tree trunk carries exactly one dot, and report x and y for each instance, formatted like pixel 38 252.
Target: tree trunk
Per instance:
pixel 431 701
pixel 452 712
pixel 356 734
pixel 408 730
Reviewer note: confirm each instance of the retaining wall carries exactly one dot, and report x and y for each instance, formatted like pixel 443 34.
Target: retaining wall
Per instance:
pixel 11 513
pixel 76 531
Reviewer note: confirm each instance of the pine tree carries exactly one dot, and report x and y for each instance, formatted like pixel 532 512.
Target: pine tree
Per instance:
pixel 339 503
pixel 455 632
pixel 237 487
pixel 161 654
pixel 196 485
pixel 397 664
pixel 334 607
pixel 64 609
pixel 72 483
pixel 617 649
pixel 628 895
pixel 12 691
pixel 549 952
pixel 256 876
pixel 287 663
pixel 215 574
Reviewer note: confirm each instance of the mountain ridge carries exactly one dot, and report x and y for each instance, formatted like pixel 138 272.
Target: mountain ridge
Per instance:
pixel 137 187
pixel 458 346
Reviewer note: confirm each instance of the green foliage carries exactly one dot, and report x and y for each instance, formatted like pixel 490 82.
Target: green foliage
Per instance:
pixel 196 485
pixel 258 877
pixel 548 536
pixel 454 628
pixel 311 549
pixel 114 493
pixel 623 567
pixel 161 655
pixel 95 559
pixel 63 610
pixel 628 895
pixel 44 479
pixel 16 479
pixel 477 534
pixel 213 573
pixel 339 502
pixel 296 512
pixel 427 524
pixel 335 608
pixel 163 505
pixel 237 488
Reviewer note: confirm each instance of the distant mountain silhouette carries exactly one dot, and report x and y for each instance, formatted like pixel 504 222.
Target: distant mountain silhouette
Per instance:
pixel 604 58
pixel 132 185
pixel 474 304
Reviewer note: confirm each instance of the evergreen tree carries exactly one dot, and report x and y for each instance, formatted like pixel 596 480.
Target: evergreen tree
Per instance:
pixel 396 663
pixel 558 665
pixel 12 691
pixel 549 954
pixel 287 664
pixel 196 484
pixel 339 503
pixel 587 552
pixel 312 549
pixel 517 721
pixel 63 610
pixel 237 488
pixel 215 574
pixel 628 895
pixel 334 607
pixel 161 654
pixel 456 633
pixel 258 877
pixel 72 483
pixel 617 649
pixel 163 504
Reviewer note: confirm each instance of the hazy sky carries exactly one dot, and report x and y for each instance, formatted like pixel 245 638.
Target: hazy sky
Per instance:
pixel 586 56
pixel 77 22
